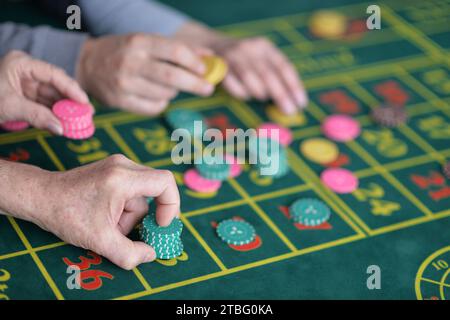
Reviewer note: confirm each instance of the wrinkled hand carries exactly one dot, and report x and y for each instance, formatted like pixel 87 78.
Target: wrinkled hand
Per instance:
pixel 257 68
pixel 28 87
pixel 95 206
pixel 141 73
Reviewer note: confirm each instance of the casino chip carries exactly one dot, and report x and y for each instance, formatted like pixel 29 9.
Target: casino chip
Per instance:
pixel 446 170
pixel 270 129
pixel 341 128
pixel 235 169
pixel 328 24
pixel 194 181
pixel 339 180
pixel 389 116
pixel 14 126
pixel 216 69
pixel 236 232
pixel 186 119
pixel 76 119
pixel 270 156
pixel 211 170
pixel 309 212
pixel 165 241
pixel 319 150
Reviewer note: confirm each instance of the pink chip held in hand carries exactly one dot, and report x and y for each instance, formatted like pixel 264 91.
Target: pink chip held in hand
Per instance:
pixel 72 111
pixel 285 135
pixel 194 181
pixel 339 180
pixel 341 128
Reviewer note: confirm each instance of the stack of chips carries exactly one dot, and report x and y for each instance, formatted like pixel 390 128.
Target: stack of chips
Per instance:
pixel 76 119
pixel 270 155
pixel 165 241
pixel 14 125
pixel 390 115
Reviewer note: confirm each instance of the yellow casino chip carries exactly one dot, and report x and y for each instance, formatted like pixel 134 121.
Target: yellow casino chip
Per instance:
pixel 216 69
pixel 328 24
pixel 319 150
pixel 275 114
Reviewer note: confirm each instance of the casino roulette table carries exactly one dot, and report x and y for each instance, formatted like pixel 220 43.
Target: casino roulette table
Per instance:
pixel 398 219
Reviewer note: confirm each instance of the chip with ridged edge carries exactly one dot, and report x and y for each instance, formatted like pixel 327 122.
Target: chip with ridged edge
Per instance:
pixel 309 212
pixel 236 232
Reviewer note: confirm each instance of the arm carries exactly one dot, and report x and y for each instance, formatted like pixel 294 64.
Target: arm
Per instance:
pixel 19 183
pixel 102 17
pixel 60 48
pixel 94 206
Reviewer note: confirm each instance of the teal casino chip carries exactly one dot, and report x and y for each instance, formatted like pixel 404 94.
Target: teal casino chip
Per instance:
pixel 185 119
pixel 213 171
pixel 309 212
pixel 236 232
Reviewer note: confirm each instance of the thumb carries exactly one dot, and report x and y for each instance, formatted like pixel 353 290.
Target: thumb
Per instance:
pixel 39 116
pixel 127 254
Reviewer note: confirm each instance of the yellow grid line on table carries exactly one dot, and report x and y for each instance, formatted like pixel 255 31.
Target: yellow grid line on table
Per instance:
pixel 222 206
pixel 120 117
pixel 435 282
pixel 361 94
pixel 203 243
pixel 236 186
pixel 376 166
pixel 369 99
pixel 411 222
pixel 129 153
pixel 387 175
pixel 118 140
pixel 423 90
pixel 61 167
pixel 36 259
pixel 414 34
pixel 290 33
pixel 248 266
pixel 253 119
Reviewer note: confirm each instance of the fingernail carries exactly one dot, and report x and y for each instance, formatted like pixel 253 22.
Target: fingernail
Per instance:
pixel 150 256
pixel 301 98
pixel 201 69
pixel 208 89
pixel 288 107
pixel 56 128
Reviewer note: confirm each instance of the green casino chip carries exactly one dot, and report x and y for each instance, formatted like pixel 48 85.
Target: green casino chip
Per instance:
pixel 213 171
pixel 309 212
pixel 271 157
pixel 151 227
pixel 185 119
pixel 236 232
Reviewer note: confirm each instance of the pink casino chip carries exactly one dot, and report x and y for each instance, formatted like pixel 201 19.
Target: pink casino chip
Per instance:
pixel 236 168
pixel 68 110
pixel 14 125
pixel 339 180
pixel 194 181
pixel 341 128
pixel 80 134
pixel 285 135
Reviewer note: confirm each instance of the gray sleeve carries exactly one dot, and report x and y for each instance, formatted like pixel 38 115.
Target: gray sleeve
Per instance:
pixel 127 16
pixel 57 47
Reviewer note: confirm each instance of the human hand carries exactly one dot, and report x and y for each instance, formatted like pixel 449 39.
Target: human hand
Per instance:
pixel 97 205
pixel 257 69
pixel 29 87
pixel 141 73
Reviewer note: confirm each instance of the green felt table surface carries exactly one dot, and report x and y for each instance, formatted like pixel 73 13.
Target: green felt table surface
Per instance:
pixel 398 219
